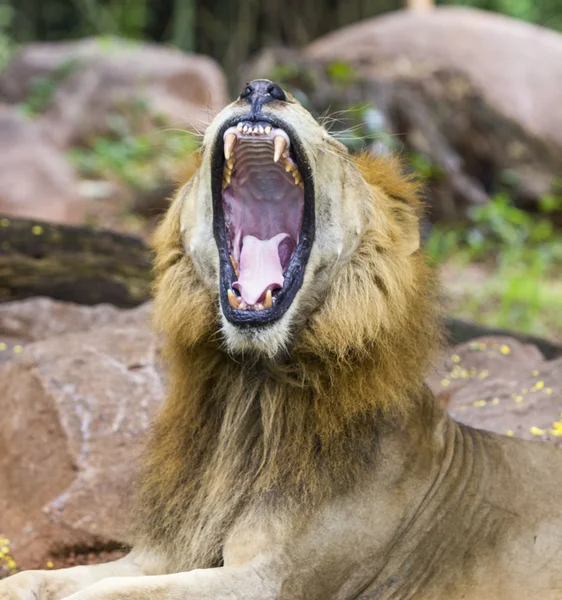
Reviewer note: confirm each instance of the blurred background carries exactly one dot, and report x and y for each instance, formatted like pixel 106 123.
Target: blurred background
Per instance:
pixel 102 103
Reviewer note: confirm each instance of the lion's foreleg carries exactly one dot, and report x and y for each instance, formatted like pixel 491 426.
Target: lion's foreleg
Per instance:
pixel 250 582
pixel 54 585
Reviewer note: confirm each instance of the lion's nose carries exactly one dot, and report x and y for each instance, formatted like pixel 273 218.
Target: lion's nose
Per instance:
pixel 260 92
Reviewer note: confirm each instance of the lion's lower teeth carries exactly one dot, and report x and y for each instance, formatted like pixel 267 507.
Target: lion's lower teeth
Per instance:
pixel 238 304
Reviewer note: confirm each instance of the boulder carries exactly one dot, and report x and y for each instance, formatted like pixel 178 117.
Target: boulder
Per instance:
pixel 35 179
pixel 502 385
pixel 515 65
pixel 90 83
pixel 36 319
pixel 74 410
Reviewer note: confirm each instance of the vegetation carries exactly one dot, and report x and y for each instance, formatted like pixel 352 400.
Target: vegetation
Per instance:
pixel 504 267
pixel 138 160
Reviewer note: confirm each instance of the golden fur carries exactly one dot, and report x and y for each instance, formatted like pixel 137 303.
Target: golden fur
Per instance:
pixel 240 431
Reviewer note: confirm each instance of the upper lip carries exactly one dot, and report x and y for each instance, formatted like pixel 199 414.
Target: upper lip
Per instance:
pixel 295 270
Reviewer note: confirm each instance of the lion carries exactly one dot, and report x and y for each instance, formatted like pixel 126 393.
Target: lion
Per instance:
pixel 299 454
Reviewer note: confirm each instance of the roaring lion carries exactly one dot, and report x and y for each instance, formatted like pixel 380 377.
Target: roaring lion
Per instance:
pixel 299 454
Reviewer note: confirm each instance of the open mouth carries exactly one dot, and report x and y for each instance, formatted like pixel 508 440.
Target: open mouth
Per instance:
pixel 263 209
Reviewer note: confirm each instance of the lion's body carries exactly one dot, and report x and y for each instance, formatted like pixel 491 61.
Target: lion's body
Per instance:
pixel 308 460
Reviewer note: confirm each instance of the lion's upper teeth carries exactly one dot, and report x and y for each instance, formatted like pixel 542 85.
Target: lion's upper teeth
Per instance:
pixel 268 139
pixel 279 143
pixel 229 141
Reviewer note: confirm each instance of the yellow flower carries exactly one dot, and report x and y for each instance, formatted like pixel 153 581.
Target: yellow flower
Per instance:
pixel 505 349
pixel 537 430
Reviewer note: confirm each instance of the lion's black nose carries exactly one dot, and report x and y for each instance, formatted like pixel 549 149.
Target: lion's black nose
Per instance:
pixel 260 92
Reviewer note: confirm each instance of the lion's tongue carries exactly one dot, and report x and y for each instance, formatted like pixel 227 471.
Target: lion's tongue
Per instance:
pixel 260 267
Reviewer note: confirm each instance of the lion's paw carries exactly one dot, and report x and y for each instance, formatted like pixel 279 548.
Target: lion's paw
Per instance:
pixel 36 585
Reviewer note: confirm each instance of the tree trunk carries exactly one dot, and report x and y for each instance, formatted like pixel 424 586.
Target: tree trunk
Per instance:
pixel 76 264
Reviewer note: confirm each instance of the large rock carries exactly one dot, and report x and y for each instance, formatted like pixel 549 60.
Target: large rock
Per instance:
pixel 74 410
pixel 35 319
pixel 35 179
pixel 94 80
pixel 502 385
pixel 516 65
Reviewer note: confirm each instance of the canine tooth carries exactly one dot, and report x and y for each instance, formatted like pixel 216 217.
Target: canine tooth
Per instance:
pixel 268 129
pixel 226 178
pixel 234 265
pixel 240 127
pixel 279 144
pixel 233 300
pixel 229 142
pixel 268 302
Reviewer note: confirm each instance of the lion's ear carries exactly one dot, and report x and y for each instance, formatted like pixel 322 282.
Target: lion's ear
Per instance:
pixel 408 240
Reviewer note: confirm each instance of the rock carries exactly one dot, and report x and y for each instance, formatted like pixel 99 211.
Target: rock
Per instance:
pixel 74 410
pixel 502 385
pixel 95 81
pixel 515 65
pixel 459 331
pixel 35 179
pixel 35 319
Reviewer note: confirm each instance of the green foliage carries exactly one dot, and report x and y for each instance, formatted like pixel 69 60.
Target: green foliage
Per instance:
pixel 424 167
pixel 137 160
pixel 341 73
pixel 522 255
pixel 7 45
pixel 43 89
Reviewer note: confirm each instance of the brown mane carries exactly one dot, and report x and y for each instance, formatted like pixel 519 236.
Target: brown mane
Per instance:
pixel 238 431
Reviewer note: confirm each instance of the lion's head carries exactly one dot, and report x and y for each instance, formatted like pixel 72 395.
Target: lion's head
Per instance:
pixel 288 238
